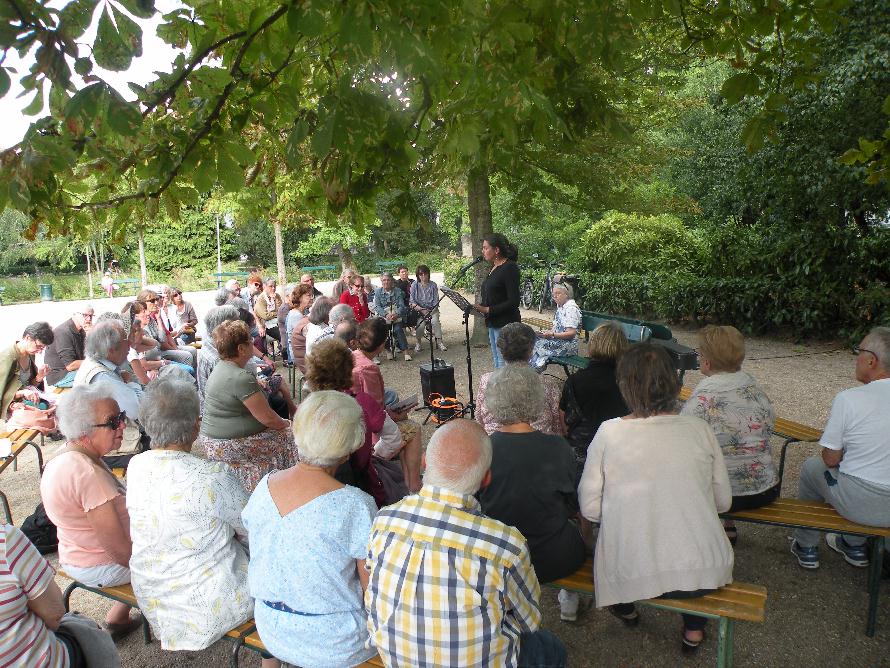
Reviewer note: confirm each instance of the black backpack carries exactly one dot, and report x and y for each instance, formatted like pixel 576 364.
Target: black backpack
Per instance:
pixel 40 531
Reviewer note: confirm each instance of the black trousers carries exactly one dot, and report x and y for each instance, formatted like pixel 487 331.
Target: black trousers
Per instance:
pixel 690 622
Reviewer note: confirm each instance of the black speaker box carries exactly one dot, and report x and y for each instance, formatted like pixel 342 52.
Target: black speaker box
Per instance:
pixel 436 379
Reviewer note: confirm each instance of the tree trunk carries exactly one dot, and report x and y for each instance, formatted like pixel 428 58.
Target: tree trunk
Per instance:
pixel 101 256
pixel 89 272
pixel 346 259
pixel 279 255
pixel 143 270
pixel 479 203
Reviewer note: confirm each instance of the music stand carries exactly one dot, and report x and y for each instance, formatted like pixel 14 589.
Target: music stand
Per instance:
pixel 466 307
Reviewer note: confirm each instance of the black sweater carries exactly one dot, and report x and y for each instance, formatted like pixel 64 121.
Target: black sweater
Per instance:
pixel 500 293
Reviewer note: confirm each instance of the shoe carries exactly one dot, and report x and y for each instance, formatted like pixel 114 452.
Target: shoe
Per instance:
pixel 442 346
pixel 732 534
pixel 572 606
pixel 807 557
pixel 689 646
pixel 390 355
pixel 853 555
pixel 376 361
pixel 630 620
pixel 417 347
pixel 120 631
pixel 408 357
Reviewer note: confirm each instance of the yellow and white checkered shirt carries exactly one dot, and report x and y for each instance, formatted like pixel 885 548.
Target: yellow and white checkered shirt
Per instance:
pixel 448 586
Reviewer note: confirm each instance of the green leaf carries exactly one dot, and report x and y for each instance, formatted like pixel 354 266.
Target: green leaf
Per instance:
pixel 144 9
pixel 292 152
pixel 188 195
pixel 204 174
pixel 123 117
pixel 230 175
pixel 115 47
pixel 35 106
pixel 76 17
pixel 740 85
pixel 19 195
pixel 321 138
pixel 886 106
pixel 4 82
pixel 243 155
pixel 754 133
pixel 83 66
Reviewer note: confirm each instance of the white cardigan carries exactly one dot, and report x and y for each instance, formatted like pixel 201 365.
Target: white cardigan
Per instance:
pixel 656 485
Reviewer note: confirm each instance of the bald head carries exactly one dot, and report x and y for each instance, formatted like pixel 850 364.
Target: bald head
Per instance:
pixel 458 457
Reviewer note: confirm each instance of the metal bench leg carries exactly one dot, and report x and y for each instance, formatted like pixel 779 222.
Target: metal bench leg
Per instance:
pixel 874 582
pixel 66 597
pixel 724 642
pixel 6 508
pixel 233 659
pixel 785 445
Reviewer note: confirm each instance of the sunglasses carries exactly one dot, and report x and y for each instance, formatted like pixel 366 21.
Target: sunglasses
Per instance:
pixel 151 301
pixel 114 421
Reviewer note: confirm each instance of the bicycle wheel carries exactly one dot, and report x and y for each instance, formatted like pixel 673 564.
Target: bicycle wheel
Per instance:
pixel 545 294
pixel 527 294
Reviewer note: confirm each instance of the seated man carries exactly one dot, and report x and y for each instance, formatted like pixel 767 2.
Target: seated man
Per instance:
pixel 339 314
pixel 389 303
pixel 853 473
pixel 447 585
pixel 309 279
pixel 65 354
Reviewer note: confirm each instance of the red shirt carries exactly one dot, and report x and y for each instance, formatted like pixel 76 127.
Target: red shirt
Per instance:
pixel 359 304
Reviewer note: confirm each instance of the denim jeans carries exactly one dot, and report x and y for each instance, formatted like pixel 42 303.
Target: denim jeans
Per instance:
pixel 398 333
pixel 541 649
pixel 493 333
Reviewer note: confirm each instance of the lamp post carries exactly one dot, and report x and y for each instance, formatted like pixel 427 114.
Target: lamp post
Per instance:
pixel 218 254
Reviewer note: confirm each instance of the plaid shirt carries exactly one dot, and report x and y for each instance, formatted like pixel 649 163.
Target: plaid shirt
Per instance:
pixel 448 586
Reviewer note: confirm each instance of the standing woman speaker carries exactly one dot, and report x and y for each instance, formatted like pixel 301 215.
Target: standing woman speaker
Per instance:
pixel 500 291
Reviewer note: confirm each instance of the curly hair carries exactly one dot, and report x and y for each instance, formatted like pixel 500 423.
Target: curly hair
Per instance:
pixel 329 366
pixel 516 342
pixel 298 293
pixel 228 336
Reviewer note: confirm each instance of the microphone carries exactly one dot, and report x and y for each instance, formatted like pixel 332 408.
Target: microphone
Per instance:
pixel 463 270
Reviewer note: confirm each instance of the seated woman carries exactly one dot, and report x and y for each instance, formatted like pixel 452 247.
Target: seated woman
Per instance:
pixel 283 310
pixel 356 298
pixel 318 321
pixel 86 502
pixel 515 343
pixel 655 481
pixel 238 426
pixel 189 560
pixel 591 396
pixel 208 357
pixel 741 416
pixel 366 377
pixel 309 541
pixel 329 367
pixel 533 477
pixel 297 319
pixel 21 405
pixel 182 316
pixel 167 347
pixel 563 338
pixel 423 300
pixel 35 630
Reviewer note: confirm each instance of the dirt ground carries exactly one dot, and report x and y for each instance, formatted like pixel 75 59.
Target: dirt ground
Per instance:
pixel 814 618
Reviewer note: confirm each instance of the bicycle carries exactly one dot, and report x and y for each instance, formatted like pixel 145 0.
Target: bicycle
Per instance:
pixel 550 278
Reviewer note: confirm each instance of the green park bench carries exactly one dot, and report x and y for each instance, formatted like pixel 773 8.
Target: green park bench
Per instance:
pixel 125 284
pixel 388 265
pixel 222 276
pixel 327 269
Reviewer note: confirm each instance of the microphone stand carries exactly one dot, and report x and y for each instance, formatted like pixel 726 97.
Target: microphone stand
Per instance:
pixel 466 307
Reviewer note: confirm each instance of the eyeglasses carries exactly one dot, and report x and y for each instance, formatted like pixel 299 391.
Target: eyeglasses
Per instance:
pixel 151 301
pixel 857 350
pixel 86 316
pixel 114 421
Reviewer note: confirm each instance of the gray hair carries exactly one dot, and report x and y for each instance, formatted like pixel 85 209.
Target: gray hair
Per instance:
pixel 76 411
pixel 111 316
pixel 222 296
pixel 515 394
pixel 231 283
pixel 565 287
pixel 878 340
pixel 340 313
pixel 218 315
pixel 328 426
pixel 289 288
pixel 103 338
pixel 516 342
pixel 169 410
pixel 457 457
pixel 321 310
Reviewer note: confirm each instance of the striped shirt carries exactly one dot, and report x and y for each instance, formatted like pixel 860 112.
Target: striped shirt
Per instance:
pixel 24 575
pixel 448 586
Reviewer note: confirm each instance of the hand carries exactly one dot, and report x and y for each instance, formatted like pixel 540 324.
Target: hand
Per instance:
pixel 481 309
pixel 41 372
pixel 126 376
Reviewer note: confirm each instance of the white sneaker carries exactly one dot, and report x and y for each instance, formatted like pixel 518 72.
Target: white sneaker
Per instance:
pixel 442 346
pixel 408 357
pixel 417 347
pixel 568 605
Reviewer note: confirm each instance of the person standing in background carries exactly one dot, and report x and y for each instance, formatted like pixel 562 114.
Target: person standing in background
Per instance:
pixel 500 290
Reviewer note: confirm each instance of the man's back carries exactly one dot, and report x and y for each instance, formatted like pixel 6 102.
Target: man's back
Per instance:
pixel 859 425
pixel 448 586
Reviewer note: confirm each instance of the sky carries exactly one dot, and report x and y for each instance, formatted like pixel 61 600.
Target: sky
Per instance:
pixel 156 56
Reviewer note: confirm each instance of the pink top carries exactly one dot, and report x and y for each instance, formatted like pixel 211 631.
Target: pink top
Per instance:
pixel 73 484
pixel 549 421
pixel 24 575
pixel 366 376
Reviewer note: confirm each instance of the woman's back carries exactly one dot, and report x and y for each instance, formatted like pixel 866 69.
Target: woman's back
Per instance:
pixel 225 415
pixel 596 398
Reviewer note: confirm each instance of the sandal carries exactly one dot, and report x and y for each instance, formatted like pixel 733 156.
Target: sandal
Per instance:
pixel 120 631
pixel 630 620
pixel 690 646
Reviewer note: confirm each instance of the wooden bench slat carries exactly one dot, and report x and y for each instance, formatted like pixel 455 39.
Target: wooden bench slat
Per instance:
pixel 239 631
pixel 812 514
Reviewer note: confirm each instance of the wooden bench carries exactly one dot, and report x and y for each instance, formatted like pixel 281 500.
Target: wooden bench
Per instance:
pixel 20 440
pixel 322 268
pixel 222 276
pixel 125 283
pixel 734 602
pixel 253 642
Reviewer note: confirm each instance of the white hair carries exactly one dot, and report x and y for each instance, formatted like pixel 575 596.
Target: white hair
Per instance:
pixel 340 313
pixel 76 410
pixel 218 315
pixel 565 287
pixel 328 426
pixel 878 340
pixel 515 394
pixel 169 410
pixel 457 457
pixel 105 337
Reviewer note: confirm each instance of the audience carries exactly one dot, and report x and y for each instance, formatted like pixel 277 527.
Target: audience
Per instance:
pixel 533 481
pixel 297 321
pixel 283 310
pixel 189 557
pixel 183 317
pixel 22 406
pixel 86 502
pixel 238 427
pixel 356 298
pixel 167 347
pixel 515 343
pixel 591 395
pixel 853 471
pixel 254 289
pixel 318 321
pixel 655 482
pixel 389 303
pixel 208 356
pixel 309 540
pixel 64 355
pixel 562 340
pixel 424 296
pixel 741 416
pixel 339 314
pixel 445 581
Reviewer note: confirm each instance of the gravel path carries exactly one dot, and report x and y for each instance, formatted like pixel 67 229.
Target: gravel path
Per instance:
pixel 808 613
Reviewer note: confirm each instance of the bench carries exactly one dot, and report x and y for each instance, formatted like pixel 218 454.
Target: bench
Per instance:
pixel 734 602
pixel 321 268
pixel 253 642
pixel 125 283
pixel 388 265
pixel 21 439
pixel 222 276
